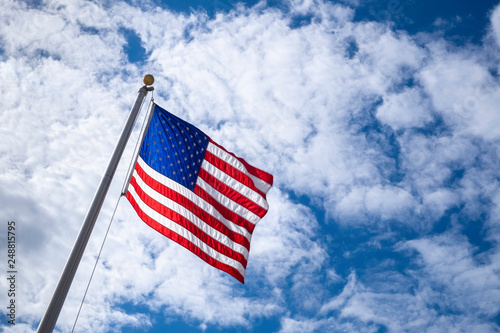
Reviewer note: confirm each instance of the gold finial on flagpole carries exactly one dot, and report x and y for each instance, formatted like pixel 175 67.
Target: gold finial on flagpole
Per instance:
pixel 148 79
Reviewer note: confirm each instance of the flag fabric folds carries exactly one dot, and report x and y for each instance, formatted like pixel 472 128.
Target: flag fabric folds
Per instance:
pixel 195 192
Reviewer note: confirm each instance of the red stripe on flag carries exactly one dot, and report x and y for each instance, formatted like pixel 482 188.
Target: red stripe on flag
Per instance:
pixel 232 194
pixel 227 213
pixel 268 178
pixel 184 242
pixel 187 224
pixel 192 207
pixel 233 172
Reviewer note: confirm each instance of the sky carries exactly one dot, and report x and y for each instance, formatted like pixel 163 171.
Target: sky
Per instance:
pixel 379 121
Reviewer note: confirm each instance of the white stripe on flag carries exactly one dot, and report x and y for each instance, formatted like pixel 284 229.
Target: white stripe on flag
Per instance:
pixel 235 184
pixel 190 195
pixel 174 206
pixel 234 162
pixel 227 202
pixel 185 233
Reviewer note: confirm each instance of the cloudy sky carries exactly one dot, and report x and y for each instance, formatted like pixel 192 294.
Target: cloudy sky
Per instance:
pixel 379 120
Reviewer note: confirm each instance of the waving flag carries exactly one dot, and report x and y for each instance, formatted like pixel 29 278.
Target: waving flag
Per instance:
pixel 192 190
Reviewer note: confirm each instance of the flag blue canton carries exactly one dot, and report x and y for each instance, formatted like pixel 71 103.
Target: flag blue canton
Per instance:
pixel 174 147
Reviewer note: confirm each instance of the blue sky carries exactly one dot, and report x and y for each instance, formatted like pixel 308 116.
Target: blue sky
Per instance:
pixel 378 119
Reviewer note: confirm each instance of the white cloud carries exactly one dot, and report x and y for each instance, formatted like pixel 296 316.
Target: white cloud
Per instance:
pixel 470 282
pixel 495 22
pixel 383 202
pixel 406 109
pixel 453 291
pixel 470 107
pixel 335 127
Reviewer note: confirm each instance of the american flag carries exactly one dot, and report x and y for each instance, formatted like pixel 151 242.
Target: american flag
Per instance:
pixel 195 192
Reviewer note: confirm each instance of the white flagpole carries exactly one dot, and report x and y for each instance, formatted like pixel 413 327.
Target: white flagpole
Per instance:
pixel 49 319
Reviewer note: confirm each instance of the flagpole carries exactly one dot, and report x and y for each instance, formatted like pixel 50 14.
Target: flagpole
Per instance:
pixel 49 319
